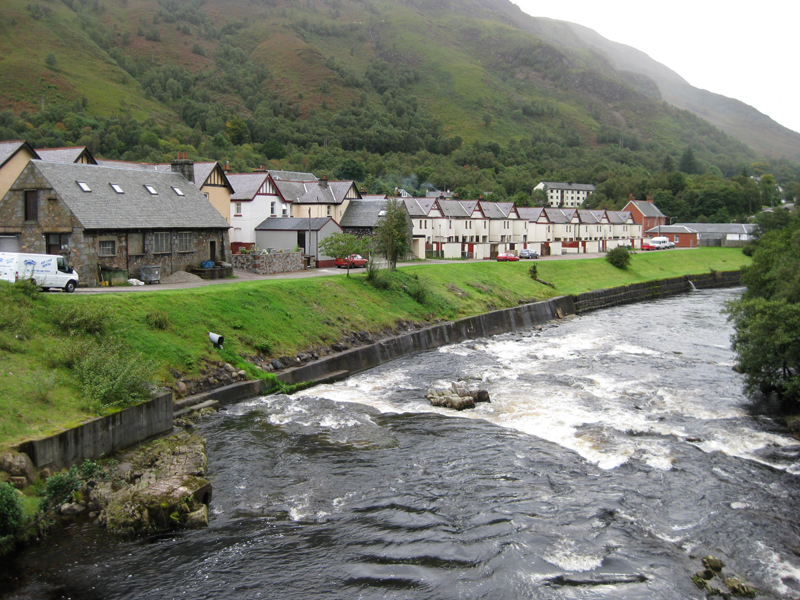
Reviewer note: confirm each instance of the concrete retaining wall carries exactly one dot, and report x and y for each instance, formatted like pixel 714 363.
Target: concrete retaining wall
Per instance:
pixel 350 362
pixel 344 364
pixel 103 436
pixel 651 290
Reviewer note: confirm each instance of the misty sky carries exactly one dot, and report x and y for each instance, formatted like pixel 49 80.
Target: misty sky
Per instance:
pixel 740 50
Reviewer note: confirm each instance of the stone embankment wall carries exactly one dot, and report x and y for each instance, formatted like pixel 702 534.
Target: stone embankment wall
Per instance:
pixel 652 290
pixel 344 364
pixel 269 264
pixel 103 436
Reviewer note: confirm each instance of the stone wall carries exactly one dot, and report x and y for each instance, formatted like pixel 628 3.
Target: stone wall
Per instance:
pixel 269 264
pixel 103 436
pixel 651 290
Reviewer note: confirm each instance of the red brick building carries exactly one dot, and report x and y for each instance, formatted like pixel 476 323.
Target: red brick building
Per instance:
pixel 645 213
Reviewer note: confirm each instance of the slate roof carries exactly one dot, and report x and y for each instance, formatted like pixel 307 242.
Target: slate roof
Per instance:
pixel 726 228
pixel 453 209
pixel 10 148
pixel 363 213
pixel 648 209
pixel 136 208
pixel 438 194
pixel 670 229
pixel 313 192
pixel 65 155
pixel 416 207
pixel 293 224
pixel 558 215
pixel 618 217
pixel 590 217
pixel 124 164
pixel 493 210
pixel 530 213
pixel 246 185
pixel 291 176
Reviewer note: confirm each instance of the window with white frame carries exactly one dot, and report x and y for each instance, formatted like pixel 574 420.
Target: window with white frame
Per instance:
pixel 151 189
pixel 185 241
pixel 116 188
pixel 161 242
pixel 237 209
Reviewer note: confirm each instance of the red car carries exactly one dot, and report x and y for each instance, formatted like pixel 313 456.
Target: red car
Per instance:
pixel 506 257
pixel 354 260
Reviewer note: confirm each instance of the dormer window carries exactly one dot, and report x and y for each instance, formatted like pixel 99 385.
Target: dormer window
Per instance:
pixel 116 188
pixel 151 189
pixel 84 186
pixel 177 190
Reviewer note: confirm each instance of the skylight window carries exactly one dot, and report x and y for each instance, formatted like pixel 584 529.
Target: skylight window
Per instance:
pixel 116 188
pixel 151 189
pixel 84 186
pixel 178 191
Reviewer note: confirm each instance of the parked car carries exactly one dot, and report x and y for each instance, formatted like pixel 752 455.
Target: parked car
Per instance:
pixel 528 253
pixel 506 257
pixel 354 260
pixel 648 245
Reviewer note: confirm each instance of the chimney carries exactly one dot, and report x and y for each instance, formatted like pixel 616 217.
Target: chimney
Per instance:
pixel 324 182
pixel 184 166
pixel 227 166
pixel 631 198
pixel 650 199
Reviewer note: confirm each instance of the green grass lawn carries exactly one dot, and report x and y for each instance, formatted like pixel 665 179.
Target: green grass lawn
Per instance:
pixel 40 393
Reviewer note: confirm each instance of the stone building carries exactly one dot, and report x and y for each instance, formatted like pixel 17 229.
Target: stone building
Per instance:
pixel 106 218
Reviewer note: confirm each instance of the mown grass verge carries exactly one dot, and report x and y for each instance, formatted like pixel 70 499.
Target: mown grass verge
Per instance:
pixel 52 344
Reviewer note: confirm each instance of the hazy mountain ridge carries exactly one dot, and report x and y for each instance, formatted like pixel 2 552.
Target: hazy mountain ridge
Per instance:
pixel 481 69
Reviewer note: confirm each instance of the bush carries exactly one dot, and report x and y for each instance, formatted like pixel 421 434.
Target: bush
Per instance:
pixel 59 487
pixel 94 319
pixel 158 319
pixel 10 510
pixel 380 279
pixel 620 257
pixel 111 375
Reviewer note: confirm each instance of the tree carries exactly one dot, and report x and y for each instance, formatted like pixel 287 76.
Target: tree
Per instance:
pixel 487 120
pixel 689 164
pixel 342 245
pixel 766 319
pixel 351 169
pixel 539 198
pixel 393 233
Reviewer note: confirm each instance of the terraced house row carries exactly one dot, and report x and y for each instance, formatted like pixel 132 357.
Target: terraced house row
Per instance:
pixel 479 229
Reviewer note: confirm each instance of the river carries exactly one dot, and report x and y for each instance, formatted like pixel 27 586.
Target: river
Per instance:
pixel 616 452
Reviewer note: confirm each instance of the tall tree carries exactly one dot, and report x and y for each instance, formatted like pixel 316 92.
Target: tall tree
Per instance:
pixel 393 233
pixel 689 164
pixel 767 318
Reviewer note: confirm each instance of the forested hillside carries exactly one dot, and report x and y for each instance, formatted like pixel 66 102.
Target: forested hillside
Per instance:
pixel 413 94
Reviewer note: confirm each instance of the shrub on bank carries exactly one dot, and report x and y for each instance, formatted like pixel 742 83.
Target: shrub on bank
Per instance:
pixel 619 257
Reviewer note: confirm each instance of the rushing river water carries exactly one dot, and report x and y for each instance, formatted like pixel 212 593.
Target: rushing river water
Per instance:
pixel 617 450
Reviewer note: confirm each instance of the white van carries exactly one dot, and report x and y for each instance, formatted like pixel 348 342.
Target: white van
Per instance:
pixel 47 270
pixel 661 243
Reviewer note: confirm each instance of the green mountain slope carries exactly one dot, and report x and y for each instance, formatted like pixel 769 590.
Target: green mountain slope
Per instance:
pixel 469 94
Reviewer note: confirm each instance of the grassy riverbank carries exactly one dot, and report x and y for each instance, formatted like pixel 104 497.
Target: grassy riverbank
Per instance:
pixel 44 336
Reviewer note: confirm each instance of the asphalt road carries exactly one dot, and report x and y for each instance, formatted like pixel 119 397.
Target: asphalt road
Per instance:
pixel 242 276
